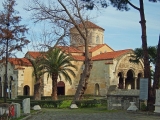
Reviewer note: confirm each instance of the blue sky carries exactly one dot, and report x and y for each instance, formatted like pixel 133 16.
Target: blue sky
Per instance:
pixel 122 29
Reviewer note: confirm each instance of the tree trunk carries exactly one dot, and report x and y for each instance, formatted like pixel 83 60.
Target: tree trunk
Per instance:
pixel 54 87
pixel 37 90
pixel 156 82
pixel 82 86
pixel 147 72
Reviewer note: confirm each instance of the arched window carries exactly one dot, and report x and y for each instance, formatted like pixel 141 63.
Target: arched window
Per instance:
pixel 90 37
pixel 96 89
pixel 97 40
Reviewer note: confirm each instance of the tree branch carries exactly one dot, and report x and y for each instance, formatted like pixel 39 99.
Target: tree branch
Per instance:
pixel 133 5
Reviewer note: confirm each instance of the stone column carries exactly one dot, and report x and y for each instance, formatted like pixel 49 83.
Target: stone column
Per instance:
pixel 124 78
pixel 135 82
pixel 2 88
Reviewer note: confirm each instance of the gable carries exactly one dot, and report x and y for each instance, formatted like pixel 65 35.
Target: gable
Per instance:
pixel 102 48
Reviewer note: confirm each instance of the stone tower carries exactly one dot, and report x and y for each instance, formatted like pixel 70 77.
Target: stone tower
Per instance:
pixel 96 35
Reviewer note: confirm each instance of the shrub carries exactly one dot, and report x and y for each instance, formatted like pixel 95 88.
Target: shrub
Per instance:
pixel 143 107
pixel 25 96
pixel 47 103
pixel 87 103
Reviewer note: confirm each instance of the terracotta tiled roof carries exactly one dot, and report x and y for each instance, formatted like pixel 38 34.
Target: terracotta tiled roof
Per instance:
pixel 70 49
pixel 20 68
pixel 110 55
pixel 97 47
pixel 90 25
pixel 35 54
pixel 77 57
pixel 19 61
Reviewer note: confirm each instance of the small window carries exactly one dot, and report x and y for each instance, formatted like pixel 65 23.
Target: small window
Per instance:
pixel 97 39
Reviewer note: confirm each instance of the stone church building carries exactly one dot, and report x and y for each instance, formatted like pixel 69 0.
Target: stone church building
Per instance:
pixel 110 67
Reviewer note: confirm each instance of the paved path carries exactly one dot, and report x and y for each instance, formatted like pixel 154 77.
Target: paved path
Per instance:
pixel 72 114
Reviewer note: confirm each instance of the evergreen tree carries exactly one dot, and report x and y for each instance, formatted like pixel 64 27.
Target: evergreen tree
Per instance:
pixel 57 64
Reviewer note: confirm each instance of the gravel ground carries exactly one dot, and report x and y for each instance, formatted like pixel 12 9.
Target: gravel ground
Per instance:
pixel 95 114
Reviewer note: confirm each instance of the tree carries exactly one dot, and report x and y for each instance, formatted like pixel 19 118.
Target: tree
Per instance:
pixel 57 64
pixel 37 73
pixel 12 34
pixel 11 30
pixel 138 54
pixel 123 5
pixel 73 13
pixel 51 35
pixel 156 83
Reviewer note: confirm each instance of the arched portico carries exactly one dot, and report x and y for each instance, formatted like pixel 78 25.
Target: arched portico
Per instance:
pixel 128 73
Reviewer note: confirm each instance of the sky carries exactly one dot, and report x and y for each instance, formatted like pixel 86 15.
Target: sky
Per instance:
pixel 122 29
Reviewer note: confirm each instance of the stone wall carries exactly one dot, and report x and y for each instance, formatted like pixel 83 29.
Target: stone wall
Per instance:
pixel 120 99
pixel 121 102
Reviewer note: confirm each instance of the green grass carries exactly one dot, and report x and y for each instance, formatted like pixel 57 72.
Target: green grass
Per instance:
pixel 64 109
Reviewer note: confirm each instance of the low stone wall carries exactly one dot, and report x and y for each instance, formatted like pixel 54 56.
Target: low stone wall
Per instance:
pixel 120 99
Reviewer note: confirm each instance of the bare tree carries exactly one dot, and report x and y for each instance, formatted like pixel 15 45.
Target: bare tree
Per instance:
pixel 10 29
pixel 71 12
pixel 12 35
pixel 50 36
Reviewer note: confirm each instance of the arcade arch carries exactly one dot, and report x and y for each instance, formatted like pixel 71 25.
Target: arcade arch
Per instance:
pixel 128 73
pixel 138 80
pixel 129 81
pixel 121 82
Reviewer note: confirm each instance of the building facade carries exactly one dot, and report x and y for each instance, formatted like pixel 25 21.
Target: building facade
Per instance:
pixel 109 68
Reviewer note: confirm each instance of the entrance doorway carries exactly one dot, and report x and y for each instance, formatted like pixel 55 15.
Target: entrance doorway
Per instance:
pixel 26 90
pixel 60 88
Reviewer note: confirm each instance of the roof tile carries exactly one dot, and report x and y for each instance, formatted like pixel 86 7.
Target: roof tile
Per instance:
pixel 78 57
pixel 110 55
pixel 19 61
pixel 90 25
pixel 70 49
pixel 35 54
